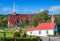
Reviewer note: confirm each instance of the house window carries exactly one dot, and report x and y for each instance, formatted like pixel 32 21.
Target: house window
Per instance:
pixel 39 32
pixel 30 32
pixel 47 31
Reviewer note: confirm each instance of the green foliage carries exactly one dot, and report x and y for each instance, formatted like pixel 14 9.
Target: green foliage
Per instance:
pixel 43 16
pixel 16 34
pixel 23 22
pixel 57 20
pixel 3 20
pixel 39 18
pixel 18 39
pixel 35 23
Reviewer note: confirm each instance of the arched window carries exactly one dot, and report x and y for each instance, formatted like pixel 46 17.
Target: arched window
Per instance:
pixel 17 21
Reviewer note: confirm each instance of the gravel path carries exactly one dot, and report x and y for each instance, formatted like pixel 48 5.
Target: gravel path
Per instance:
pixel 51 38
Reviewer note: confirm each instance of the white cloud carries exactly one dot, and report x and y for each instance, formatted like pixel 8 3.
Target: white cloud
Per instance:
pixel 42 10
pixel 32 11
pixel 54 8
pixel 25 10
pixel 6 9
pixel 9 10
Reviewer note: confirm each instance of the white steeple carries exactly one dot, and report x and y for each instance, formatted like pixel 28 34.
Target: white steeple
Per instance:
pixel 52 18
pixel 14 8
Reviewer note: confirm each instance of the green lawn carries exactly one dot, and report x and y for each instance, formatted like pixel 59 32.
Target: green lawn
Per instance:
pixel 9 32
pixel 7 35
pixel 1 35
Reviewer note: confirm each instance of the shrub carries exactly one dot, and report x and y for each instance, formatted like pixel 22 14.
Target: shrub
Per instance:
pixel 16 34
pixel 24 35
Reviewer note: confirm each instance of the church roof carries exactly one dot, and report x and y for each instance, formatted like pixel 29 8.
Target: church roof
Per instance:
pixel 12 18
pixel 43 26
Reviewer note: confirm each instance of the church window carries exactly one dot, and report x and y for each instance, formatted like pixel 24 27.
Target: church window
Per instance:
pixel 39 32
pixel 47 31
pixel 17 21
pixel 30 32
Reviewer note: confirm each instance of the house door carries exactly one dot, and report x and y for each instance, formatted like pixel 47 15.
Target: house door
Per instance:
pixel 55 33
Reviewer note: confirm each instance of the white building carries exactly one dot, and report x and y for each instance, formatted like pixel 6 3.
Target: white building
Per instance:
pixel 44 29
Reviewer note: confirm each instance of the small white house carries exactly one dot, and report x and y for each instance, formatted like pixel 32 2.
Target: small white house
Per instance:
pixel 44 29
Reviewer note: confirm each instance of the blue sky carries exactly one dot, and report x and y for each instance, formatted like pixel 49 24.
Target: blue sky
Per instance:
pixel 30 6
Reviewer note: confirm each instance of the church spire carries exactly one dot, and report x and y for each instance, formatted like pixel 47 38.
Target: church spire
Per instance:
pixel 14 8
pixel 52 18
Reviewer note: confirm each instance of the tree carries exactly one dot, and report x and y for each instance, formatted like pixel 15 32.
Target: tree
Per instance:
pixel 43 16
pixel 23 22
pixel 57 20
pixel 3 20
pixel 40 17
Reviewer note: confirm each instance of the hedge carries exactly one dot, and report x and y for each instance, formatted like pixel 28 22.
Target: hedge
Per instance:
pixel 21 39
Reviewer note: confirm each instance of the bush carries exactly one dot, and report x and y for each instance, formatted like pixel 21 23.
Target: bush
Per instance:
pixel 24 35
pixel 16 34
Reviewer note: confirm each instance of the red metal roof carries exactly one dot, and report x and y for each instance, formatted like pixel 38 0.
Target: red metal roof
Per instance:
pixel 43 26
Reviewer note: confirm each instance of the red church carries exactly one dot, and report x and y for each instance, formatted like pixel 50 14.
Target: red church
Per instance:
pixel 13 19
